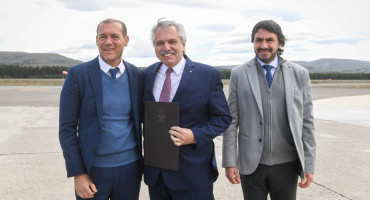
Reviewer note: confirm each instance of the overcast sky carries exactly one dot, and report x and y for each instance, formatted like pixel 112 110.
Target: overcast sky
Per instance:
pixel 218 31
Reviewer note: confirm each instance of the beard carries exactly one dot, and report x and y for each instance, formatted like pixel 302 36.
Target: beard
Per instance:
pixel 266 59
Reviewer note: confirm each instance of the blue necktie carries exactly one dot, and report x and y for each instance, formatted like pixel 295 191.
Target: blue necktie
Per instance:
pixel 268 74
pixel 113 72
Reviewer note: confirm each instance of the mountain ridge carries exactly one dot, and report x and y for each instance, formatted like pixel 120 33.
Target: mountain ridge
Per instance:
pixel 35 59
pixel 322 65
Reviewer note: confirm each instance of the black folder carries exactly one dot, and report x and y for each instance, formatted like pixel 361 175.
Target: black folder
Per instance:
pixel 159 150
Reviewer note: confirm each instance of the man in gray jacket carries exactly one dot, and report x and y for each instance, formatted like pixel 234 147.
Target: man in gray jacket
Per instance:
pixel 270 141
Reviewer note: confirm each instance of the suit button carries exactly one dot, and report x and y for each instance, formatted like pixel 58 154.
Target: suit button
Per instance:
pixel 260 140
pixel 100 131
pixel 260 123
pixel 93 150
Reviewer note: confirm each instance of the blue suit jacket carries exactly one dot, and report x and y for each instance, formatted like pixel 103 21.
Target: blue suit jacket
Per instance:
pixel 203 109
pixel 81 112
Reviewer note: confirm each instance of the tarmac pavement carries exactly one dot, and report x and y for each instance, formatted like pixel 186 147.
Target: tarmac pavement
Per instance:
pixel 32 164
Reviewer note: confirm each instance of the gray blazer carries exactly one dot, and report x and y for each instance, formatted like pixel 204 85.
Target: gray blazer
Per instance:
pixel 241 147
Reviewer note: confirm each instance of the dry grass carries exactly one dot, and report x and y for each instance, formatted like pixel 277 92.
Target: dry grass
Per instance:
pixel 31 82
pixel 349 84
pixel 355 84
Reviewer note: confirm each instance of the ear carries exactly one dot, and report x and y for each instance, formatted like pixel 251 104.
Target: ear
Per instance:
pixel 126 39
pixel 183 47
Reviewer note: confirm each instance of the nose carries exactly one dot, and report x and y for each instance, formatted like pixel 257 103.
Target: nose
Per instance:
pixel 264 44
pixel 108 40
pixel 166 46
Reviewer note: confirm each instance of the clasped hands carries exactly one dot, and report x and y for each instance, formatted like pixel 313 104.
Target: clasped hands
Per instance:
pixel 181 136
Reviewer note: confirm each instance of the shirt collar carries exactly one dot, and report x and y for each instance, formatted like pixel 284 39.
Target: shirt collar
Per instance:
pixel 178 69
pixel 105 67
pixel 274 63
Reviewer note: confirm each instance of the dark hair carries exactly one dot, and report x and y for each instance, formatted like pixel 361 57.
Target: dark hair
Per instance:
pixel 108 21
pixel 273 27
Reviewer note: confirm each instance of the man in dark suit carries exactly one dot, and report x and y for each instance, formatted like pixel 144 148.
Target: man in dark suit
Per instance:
pixel 270 141
pixel 99 120
pixel 204 114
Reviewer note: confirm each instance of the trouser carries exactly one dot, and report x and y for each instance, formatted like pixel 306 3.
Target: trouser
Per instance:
pixel 160 191
pixel 279 180
pixel 116 183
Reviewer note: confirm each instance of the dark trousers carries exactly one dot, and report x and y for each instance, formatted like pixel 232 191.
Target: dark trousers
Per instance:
pixel 116 183
pixel 160 191
pixel 279 180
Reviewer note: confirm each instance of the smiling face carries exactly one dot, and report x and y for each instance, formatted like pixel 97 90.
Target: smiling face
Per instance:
pixel 111 41
pixel 266 45
pixel 168 46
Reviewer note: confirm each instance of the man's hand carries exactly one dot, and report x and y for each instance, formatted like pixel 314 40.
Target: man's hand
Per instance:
pixel 232 173
pixel 306 181
pixel 181 136
pixel 84 187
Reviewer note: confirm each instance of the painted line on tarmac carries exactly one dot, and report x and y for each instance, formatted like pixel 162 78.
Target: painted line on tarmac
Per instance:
pixel 323 186
pixel 31 90
pixel 367 151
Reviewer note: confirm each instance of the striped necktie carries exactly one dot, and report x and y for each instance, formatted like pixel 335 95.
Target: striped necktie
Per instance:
pixel 166 89
pixel 268 74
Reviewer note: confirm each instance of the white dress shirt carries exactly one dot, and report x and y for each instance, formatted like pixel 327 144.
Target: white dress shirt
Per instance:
pixel 274 65
pixel 106 67
pixel 175 75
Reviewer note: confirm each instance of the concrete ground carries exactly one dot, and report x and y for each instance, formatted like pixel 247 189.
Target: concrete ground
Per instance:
pixel 32 165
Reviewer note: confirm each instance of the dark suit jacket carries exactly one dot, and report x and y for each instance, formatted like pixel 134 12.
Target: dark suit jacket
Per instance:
pixel 81 112
pixel 204 110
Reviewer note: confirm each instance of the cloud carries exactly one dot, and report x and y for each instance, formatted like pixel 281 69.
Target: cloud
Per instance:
pixel 238 41
pixel 188 3
pixel 79 48
pixel 343 40
pixel 217 27
pixel 272 14
pixel 94 5
pixel 234 49
pixel 97 5
pixel 139 48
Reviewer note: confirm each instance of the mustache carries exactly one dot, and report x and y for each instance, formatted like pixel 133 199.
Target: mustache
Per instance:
pixel 168 52
pixel 267 49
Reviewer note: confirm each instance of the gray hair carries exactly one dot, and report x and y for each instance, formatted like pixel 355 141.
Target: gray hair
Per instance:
pixel 110 20
pixel 166 24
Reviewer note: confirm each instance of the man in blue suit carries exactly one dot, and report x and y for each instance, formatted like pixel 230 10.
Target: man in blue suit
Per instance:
pixel 99 120
pixel 204 114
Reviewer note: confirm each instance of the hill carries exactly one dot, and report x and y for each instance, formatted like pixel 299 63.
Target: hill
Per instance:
pixel 336 65
pixel 53 59
pixel 329 65
pixel 35 59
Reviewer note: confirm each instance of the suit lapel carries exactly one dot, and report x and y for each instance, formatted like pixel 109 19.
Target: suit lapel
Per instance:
pixel 131 75
pixel 289 87
pixel 253 81
pixel 150 83
pixel 189 70
pixel 96 84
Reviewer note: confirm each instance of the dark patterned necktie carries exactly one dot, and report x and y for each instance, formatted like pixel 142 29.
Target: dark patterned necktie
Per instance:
pixel 268 74
pixel 166 89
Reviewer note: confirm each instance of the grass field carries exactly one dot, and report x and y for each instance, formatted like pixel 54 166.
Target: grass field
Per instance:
pixel 31 82
pixel 358 84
